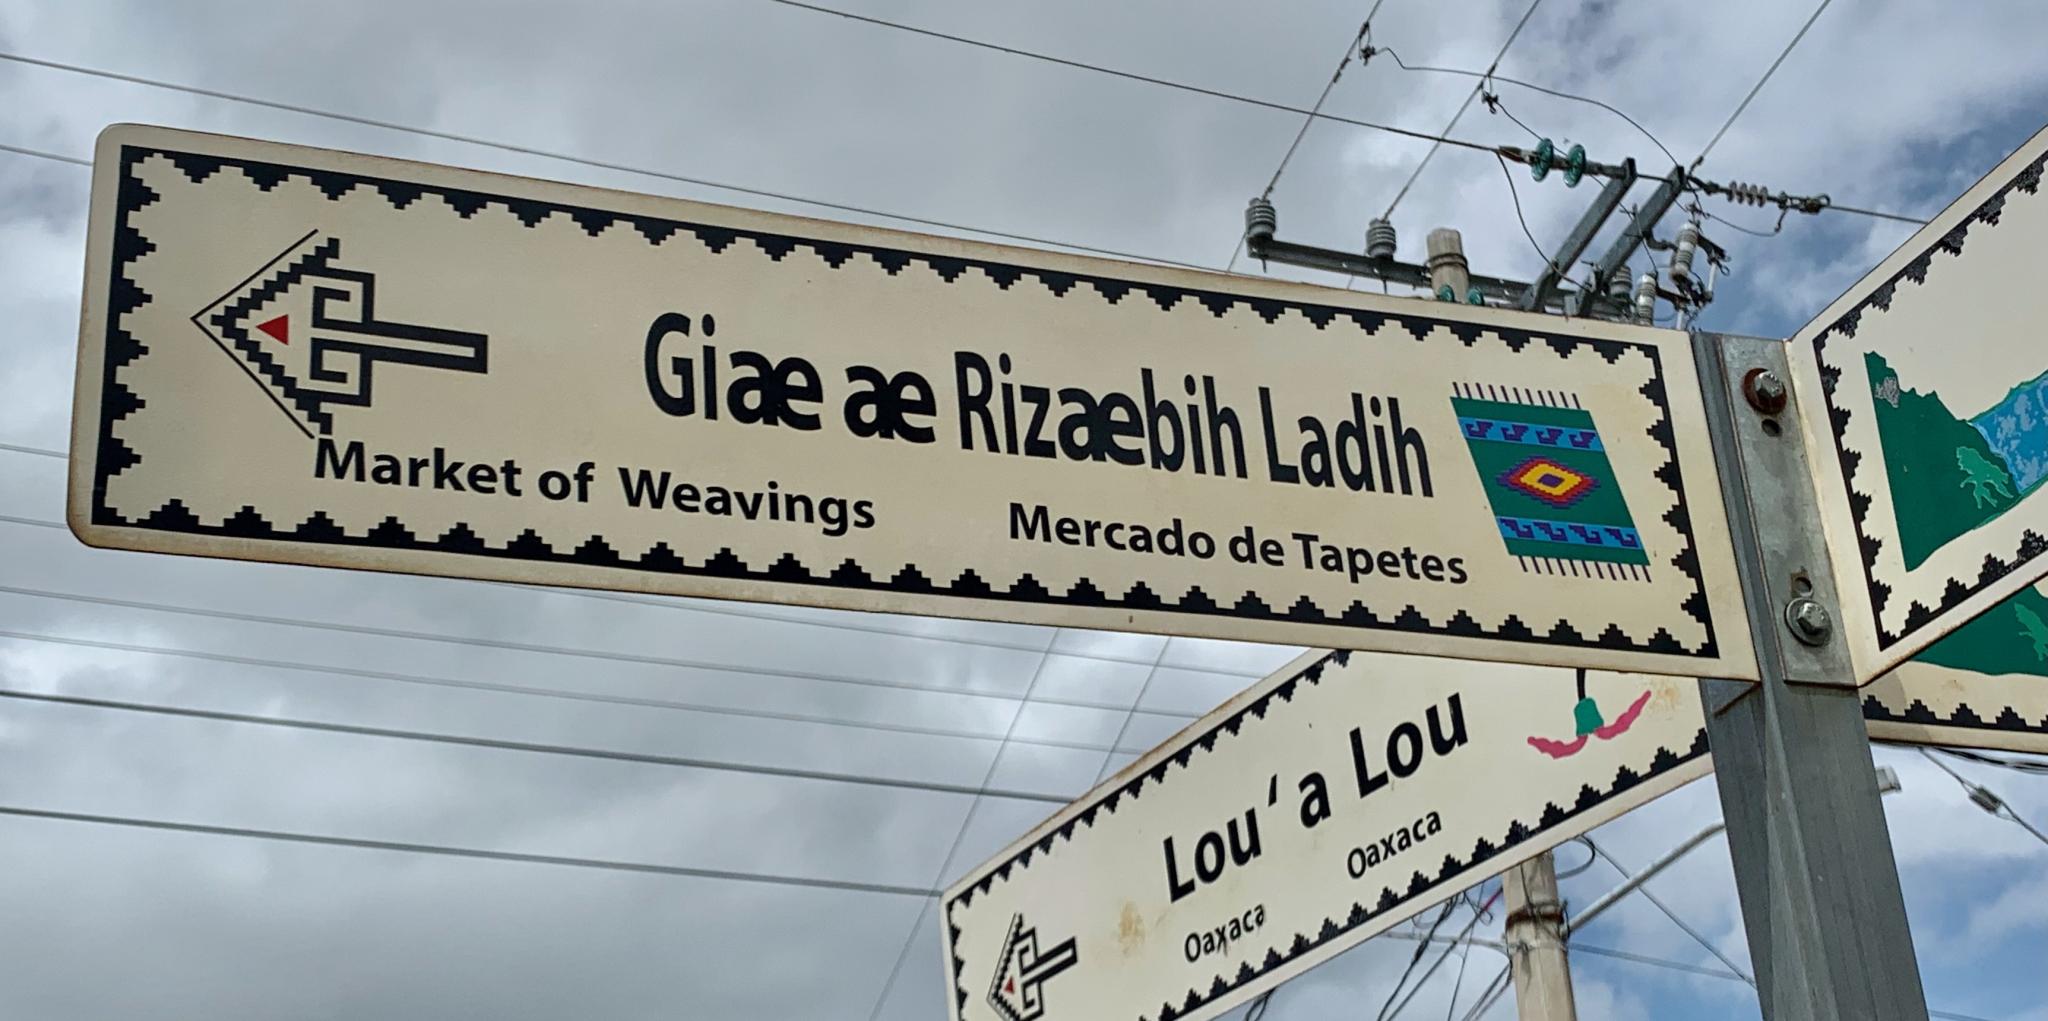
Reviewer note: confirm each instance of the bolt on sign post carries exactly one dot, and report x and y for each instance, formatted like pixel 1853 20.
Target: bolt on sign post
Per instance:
pixel 314 357
pixel 1934 383
pixel 1326 803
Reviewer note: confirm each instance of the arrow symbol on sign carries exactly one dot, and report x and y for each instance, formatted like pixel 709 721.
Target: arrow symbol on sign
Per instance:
pixel 278 328
pixel 343 338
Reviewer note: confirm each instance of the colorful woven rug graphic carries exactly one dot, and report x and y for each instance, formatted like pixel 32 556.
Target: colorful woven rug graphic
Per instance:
pixel 1549 483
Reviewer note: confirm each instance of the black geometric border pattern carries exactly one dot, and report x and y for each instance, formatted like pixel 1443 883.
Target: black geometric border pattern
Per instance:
pixel 122 348
pixel 2007 721
pixel 2031 544
pixel 1332 926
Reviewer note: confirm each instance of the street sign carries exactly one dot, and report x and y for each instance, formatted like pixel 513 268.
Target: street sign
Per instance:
pixel 314 357
pixel 1323 805
pixel 1983 686
pixel 1935 444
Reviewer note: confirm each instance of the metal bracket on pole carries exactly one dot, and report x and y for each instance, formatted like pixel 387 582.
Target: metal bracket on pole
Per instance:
pixel 1624 246
pixel 1581 236
pixel 1819 888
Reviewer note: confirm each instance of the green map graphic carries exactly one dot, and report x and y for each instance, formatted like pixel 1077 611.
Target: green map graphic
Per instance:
pixel 2010 638
pixel 1945 475
pixel 1949 475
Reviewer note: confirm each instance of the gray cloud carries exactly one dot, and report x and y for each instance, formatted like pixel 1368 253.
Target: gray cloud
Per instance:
pixel 1888 104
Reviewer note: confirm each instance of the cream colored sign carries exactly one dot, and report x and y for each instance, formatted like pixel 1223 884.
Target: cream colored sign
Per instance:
pixel 1323 805
pixel 1935 445
pixel 1985 685
pixel 313 357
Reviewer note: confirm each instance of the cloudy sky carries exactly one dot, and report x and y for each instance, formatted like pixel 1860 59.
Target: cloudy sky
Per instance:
pixel 1887 104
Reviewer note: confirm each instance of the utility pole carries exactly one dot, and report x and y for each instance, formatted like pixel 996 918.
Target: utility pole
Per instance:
pixel 1536 941
pixel 1535 921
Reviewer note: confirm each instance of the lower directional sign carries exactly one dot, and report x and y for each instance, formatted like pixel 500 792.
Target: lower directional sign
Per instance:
pixel 1321 806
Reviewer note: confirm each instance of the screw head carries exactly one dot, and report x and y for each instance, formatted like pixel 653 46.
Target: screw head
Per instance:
pixel 1809 620
pixel 1764 391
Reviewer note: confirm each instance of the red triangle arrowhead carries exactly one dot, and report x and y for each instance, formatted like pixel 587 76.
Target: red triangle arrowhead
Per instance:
pixel 278 328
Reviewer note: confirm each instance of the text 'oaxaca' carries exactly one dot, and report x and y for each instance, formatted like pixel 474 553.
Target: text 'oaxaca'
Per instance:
pixel 315 357
pixel 1327 803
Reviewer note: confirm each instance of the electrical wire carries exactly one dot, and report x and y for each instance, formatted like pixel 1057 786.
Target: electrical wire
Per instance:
pixel 559 156
pixel 1590 857
pixel 576 594
pixel 1983 797
pixel 1109 756
pixel 1458 984
pixel 40 154
pixel 1758 87
pixel 444 850
pixel 1495 105
pixel 1462 107
pixel 2017 765
pixel 1838 207
pixel 553 650
pixel 719 610
pixel 1199 90
pixel 960 837
pixel 1463 934
pixel 1697 937
pixel 1420 947
pixel 1516 194
pixel 675 870
pixel 39 451
pixel 1723 221
pixel 1488 76
pixel 550 693
pixel 1350 50
pixel 524 150
pixel 1257 1010
pixel 535 748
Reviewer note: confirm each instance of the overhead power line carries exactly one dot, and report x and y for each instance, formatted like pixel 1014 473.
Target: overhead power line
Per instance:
pixel 1350 50
pixel 1623 955
pixel 40 154
pixel 2030 766
pixel 1462 107
pixel 1759 86
pixel 16 447
pixel 995 762
pixel 448 851
pixel 676 604
pixel 535 748
pixel 553 693
pixel 1697 937
pixel 551 154
pixel 1487 76
pixel 1987 799
pixel 1129 76
pixel 552 650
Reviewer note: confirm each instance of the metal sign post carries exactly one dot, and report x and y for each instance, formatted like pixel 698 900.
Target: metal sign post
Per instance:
pixel 1819 888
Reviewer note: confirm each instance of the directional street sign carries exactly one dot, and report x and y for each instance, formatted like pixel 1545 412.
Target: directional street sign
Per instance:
pixel 1983 686
pixel 1935 445
pixel 314 357
pixel 1323 805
